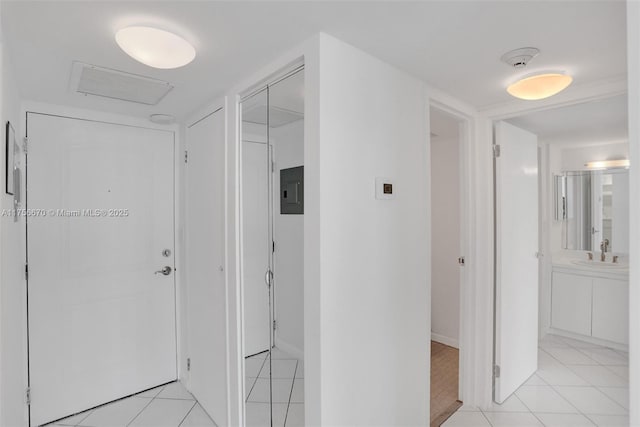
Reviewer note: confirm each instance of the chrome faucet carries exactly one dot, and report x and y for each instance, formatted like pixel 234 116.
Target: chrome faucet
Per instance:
pixel 603 249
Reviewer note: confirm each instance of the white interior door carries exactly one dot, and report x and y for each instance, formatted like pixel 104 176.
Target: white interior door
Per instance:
pixel 101 323
pixel 256 244
pixel 516 196
pixel 205 276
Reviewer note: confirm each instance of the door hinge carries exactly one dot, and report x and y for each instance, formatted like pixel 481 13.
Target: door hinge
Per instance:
pixel 25 145
pixel 496 151
pixel 273 246
pixel 27 395
pixel 461 261
pixel 26 272
pixel 186 156
pixel 496 371
pixel 188 363
pixel 274 325
pixel 273 166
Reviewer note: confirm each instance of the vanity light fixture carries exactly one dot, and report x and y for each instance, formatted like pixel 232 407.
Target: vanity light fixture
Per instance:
pixel 608 164
pixel 154 47
pixel 540 85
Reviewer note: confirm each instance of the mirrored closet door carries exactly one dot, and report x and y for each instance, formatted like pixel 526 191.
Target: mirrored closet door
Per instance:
pixel 272 212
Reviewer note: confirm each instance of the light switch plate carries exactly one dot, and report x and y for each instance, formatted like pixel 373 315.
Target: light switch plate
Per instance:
pixel 385 189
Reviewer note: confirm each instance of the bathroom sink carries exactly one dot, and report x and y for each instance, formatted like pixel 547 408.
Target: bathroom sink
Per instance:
pixel 600 264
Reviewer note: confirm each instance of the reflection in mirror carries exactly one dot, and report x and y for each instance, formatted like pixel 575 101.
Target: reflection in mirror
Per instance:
pixel 256 255
pixel 593 206
pixel 272 187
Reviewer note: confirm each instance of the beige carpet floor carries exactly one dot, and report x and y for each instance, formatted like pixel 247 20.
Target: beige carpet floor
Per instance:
pixel 444 383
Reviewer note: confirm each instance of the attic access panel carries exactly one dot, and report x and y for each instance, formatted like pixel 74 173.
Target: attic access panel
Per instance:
pixel 99 81
pixel 292 191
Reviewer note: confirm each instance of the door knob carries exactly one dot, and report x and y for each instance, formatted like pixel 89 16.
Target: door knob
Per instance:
pixel 166 271
pixel 268 277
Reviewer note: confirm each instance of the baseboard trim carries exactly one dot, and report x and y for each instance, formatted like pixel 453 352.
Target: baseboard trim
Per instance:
pixel 289 348
pixel 451 342
pixel 590 340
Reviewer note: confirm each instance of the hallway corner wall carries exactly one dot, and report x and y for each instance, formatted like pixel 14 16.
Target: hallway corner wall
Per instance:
pixel 375 256
pixel 13 363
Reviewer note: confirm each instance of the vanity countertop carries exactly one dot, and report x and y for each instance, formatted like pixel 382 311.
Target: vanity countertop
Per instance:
pixel 592 268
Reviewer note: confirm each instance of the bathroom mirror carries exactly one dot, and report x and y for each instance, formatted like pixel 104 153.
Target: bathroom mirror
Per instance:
pixel 593 207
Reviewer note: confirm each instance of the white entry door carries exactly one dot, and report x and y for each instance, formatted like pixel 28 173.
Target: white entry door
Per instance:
pixel 516 305
pixel 256 244
pixel 101 317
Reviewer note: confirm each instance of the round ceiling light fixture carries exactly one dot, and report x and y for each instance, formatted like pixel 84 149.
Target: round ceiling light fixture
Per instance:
pixel 154 47
pixel 540 85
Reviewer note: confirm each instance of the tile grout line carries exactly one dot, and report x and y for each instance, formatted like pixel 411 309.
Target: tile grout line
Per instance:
pixel 188 412
pixel 587 416
pixel 293 383
pixel 145 406
pixel 526 406
pixel 553 388
pixel 256 380
pixel 559 394
pixel 486 418
pixel 545 382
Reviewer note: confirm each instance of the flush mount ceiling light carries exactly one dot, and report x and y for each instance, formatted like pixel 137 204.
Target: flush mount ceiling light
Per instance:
pixel 607 164
pixel 154 47
pixel 540 85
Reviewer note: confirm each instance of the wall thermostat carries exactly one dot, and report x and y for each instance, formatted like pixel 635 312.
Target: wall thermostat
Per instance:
pixel 385 189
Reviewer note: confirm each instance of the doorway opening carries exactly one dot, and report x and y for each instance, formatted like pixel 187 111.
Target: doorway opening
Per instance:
pixel 272 212
pixel 562 227
pixel 446 261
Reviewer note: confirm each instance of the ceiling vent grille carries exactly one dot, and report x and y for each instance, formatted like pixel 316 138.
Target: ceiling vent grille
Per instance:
pixel 99 81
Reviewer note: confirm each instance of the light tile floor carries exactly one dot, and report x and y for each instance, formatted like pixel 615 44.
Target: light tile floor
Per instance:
pixel 287 390
pixel 170 405
pixel 577 384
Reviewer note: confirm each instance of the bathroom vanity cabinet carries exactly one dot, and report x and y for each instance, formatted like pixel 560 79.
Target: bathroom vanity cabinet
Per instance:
pixel 590 304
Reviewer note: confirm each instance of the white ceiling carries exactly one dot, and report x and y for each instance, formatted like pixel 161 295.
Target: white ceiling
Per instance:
pixel 453 45
pixel 582 124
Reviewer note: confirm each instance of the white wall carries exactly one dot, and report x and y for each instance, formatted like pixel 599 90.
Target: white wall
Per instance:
pixel 620 214
pixel 445 242
pixel 633 64
pixel 13 411
pixel 575 158
pixel 288 142
pixel 374 254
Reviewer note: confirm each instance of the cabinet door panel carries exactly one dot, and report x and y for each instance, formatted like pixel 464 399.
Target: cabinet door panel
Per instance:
pixel 611 310
pixel 571 303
